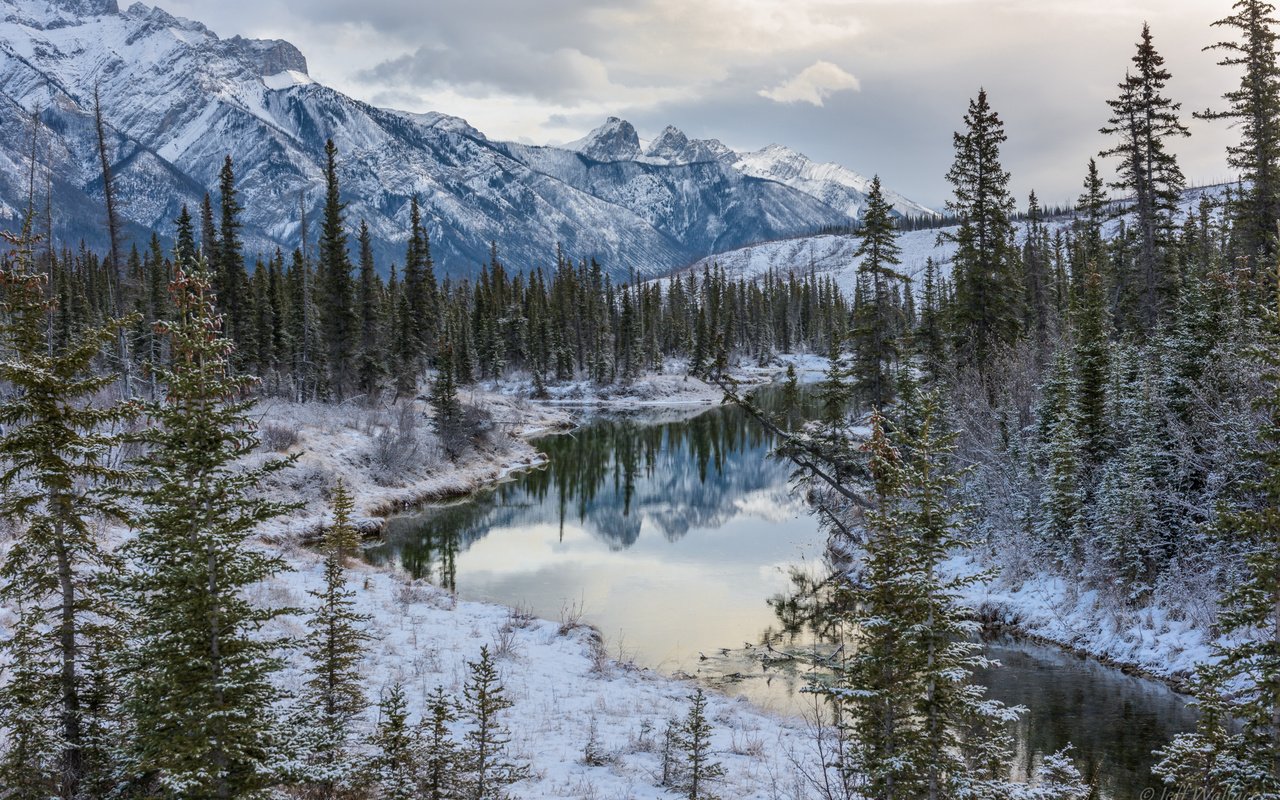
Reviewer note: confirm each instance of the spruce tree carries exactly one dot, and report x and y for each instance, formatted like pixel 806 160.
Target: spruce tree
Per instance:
pixel 878 253
pixel 59 446
pixel 337 316
pixel 333 696
pixel 985 312
pixel 1062 501
pixel 441 756
pixel 199 685
pixel 693 738
pixel 372 361
pixel 395 761
pixel 228 260
pixel 1242 755
pixel 487 768
pixel 1144 120
pixel 1255 108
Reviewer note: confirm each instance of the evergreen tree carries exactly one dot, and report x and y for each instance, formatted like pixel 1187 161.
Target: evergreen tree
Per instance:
pixel 1062 500
pixel 447 416
pixel 1091 209
pixel 441 756
pixel 228 260
pixel 59 448
pixel 395 763
pixel 1143 120
pixel 487 769
pixel 987 292
pixel 1090 354
pixel 337 318
pixel 333 696
pixel 876 345
pixel 1255 108
pixel 693 738
pixel 1237 750
pixel 371 365
pixel 200 691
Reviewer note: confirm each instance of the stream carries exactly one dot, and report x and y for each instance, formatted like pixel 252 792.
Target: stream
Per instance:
pixel 674 532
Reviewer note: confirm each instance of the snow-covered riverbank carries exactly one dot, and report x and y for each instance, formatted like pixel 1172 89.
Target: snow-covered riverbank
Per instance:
pixel 567 690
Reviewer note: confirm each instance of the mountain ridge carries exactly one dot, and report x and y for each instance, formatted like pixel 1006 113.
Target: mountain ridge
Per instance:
pixel 177 99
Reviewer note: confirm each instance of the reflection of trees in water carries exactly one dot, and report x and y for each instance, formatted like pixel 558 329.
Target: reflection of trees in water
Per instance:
pixel 610 477
pixel 1112 720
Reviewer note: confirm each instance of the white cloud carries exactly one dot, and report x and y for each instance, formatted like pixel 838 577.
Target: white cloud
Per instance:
pixel 814 84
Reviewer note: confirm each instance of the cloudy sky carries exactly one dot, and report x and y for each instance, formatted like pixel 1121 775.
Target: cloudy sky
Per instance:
pixel 877 85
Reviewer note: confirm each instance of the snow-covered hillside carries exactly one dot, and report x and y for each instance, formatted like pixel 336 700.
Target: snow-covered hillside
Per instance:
pixel 833 253
pixel 177 99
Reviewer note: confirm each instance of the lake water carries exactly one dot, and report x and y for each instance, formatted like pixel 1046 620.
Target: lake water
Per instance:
pixel 675 533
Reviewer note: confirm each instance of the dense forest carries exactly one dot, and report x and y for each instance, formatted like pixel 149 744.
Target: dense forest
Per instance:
pixel 1098 401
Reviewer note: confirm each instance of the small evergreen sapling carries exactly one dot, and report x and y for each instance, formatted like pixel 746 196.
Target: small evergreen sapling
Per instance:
pixel 441 755
pixel 693 738
pixel 396 760
pixel 333 696
pixel 487 767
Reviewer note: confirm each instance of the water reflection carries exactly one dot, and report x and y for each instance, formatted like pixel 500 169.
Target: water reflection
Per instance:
pixel 672 530
pixel 1113 721
pixel 678 535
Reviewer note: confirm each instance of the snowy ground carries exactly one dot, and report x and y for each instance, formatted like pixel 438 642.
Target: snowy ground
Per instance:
pixel 564 685
pixel 1165 639
pixel 673 386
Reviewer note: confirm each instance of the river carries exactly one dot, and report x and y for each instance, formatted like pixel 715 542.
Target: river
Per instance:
pixel 675 534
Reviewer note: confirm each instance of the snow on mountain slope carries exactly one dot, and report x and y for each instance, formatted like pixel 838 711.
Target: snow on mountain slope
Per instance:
pixel 833 185
pixel 832 254
pixel 178 99
pixel 837 186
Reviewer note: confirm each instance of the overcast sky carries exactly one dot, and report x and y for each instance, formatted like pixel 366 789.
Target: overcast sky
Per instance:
pixel 877 85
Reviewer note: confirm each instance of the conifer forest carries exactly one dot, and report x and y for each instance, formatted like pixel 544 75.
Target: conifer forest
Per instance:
pixel 350 454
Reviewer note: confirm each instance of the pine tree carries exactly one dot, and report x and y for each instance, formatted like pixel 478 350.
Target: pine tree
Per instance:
pixel 876 345
pixel 395 763
pixel 337 318
pixel 228 261
pixel 1143 120
pixel 487 769
pixel 1255 108
pixel 693 738
pixel 200 691
pixel 371 367
pixel 58 446
pixel 1219 756
pixel 441 756
pixel 333 696
pixel 987 291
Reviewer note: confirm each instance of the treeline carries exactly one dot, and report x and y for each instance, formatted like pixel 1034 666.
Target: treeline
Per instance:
pixel 1116 392
pixel 329 326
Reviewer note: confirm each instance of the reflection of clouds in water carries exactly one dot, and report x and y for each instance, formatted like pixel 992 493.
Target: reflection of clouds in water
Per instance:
pixel 770 505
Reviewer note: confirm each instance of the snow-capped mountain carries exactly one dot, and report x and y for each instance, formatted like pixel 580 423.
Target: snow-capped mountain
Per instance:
pixel 177 99
pixel 833 185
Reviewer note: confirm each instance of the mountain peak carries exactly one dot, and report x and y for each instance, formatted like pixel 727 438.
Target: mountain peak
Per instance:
pixel 615 140
pixel 673 147
pixel 270 56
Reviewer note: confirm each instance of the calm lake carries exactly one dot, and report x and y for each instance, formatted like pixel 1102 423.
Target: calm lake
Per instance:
pixel 672 532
